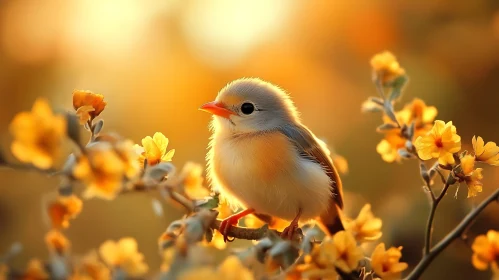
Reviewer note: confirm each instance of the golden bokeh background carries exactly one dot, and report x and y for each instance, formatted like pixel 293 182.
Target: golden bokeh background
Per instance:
pixel 157 61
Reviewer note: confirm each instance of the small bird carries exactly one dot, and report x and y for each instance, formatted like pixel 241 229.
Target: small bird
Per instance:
pixel 263 159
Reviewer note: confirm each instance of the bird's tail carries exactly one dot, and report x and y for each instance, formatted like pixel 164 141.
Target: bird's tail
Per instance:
pixel 331 220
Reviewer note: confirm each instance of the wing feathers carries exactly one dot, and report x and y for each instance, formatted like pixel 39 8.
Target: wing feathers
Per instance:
pixel 314 149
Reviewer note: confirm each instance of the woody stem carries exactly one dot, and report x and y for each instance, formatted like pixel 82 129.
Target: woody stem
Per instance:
pixel 456 233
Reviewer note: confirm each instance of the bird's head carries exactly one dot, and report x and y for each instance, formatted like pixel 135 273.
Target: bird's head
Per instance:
pixel 251 105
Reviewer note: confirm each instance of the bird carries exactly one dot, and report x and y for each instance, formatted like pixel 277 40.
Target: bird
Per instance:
pixel 263 159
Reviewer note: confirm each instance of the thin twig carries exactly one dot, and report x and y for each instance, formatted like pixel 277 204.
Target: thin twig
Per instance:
pixel 453 235
pixel 431 216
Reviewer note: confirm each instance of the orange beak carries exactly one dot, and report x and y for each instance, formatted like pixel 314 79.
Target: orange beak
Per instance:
pixel 216 108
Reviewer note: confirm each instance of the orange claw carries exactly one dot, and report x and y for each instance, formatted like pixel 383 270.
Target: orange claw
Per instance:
pixel 293 226
pixel 230 221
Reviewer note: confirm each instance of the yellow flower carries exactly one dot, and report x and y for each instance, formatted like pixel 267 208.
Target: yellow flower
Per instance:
pixel 468 164
pixel 341 251
pixel 126 151
pixel 386 263
pixel 168 258
pixel 386 67
pixel 474 182
pixel 38 135
pixel 102 170
pixel 57 242
pixel 230 269
pixel 64 209
pixel 488 153
pixel 217 241
pixel 440 142
pixel 365 227
pixel 388 147
pixel 87 104
pixel 154 149
pixel 83 113
pixel 192 180
pixel 91 268
pixel 125 255
pixel 35 271
pixel 486 251
pixel 419 113
pixel 202 272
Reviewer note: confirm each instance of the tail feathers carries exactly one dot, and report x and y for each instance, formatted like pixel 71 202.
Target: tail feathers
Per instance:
pixel 331 220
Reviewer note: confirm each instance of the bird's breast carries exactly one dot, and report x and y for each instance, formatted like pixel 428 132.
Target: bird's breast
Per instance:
pixel 265 172
pixel 263 157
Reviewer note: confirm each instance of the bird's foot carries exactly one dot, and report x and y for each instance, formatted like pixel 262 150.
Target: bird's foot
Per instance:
pixel 289 231
pixel 225 226
pixel 230 221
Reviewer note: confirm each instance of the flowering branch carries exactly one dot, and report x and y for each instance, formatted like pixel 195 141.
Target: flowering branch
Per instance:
pixel 458 231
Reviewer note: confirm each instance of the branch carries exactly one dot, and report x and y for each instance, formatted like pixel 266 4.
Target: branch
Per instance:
pixel 453 235
pixel 254 233
pixel 434 205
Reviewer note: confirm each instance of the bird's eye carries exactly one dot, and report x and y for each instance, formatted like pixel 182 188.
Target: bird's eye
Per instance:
pixel 247 108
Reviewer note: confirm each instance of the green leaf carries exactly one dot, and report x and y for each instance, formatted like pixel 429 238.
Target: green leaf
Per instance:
pixel 208 203
pixel 397 87
pixel 97 128
pixel 73 128
pixel 386 126
pixel 159 171
pixel 389 111
pixel 423 171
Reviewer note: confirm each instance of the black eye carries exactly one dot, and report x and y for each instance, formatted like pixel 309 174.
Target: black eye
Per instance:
pixel 247 108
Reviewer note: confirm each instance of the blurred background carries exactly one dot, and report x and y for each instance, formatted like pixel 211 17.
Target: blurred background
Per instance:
pixel 157 61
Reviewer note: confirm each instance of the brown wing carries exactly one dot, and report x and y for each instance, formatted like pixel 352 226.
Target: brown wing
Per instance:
pixel 310 148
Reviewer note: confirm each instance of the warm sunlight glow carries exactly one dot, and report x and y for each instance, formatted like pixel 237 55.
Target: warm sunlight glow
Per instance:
pixel 251 23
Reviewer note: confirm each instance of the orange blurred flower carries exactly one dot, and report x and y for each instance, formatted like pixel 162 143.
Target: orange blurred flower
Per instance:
pixel 64 209
pixel 230 269
pixel 102 170
pixel 125 255
pixel 35 271
pixel 91 268
pixel 388 147
pixel 57 242
pixel 217 241
pixel 126 151
pixel 386 67
pixel 341 251
pixel 154 149
pixel 38 135
pixel 202 272
pixel 192 180
pixel 340 163
pixel 417 112
pixel 233 269
pixel 87 104
pixel 4 272
pixel 486 251
pixel 488 153
pixel 366 227
pixel 386 263
pixel 440 142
